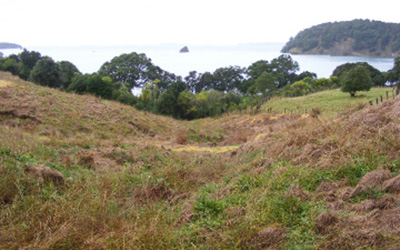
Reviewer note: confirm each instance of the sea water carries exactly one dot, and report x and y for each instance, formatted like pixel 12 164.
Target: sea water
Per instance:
pixel 88 59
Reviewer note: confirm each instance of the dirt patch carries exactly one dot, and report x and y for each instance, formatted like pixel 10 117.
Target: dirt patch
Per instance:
pixel 199 149
pixel 96 159
pixel 296 191
pixel 268 238
pixel 43 173
pixel 365 206
pixel 325 222
pixel 310 152
pixel 355 240
pixel 327 187
pixel 375 178
pixel 19 119
pixel 387 221
pixel 151 192
pixel 180 136
pixel 142 128
pixel 392 185
pixel 186 213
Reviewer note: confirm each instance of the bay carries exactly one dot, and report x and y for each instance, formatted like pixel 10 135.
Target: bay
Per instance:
pixel 89 59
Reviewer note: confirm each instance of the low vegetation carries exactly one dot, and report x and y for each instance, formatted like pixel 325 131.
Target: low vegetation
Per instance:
pixel 198 95
pixel 81 172
pixel 328 102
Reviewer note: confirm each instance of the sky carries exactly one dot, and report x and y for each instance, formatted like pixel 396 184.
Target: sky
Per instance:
pixel 191 22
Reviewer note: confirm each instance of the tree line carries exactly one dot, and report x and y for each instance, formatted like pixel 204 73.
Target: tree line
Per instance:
pixel 195 96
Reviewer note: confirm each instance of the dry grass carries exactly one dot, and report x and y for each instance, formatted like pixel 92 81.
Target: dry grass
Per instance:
pixel 134 180
pixel 214 150
pixel 5 83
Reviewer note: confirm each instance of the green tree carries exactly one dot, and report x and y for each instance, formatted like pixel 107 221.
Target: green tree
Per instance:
pixel 67 73
pixel 266 83
pixel 186 101
pixel 99 85
pixel 323 83
pixel 256 69
pixel 285 69
pixel 393 75
pixel 305 74
pixel 377 78
pixel 205 82
pixel 134 70
pixel 28 60
pixel 356 79
pixel 192 80
pixel 123 95
pixel 228 78
pixel 168 103
pixel 231 101
pixel 46 72
pixel 9 64
pixel 298 88
pixel 79 84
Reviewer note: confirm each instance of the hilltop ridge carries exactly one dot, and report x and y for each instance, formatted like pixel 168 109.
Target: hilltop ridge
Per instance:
pixel 348 38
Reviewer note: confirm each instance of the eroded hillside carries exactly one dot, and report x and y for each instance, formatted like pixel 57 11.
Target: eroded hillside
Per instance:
pixel 78 172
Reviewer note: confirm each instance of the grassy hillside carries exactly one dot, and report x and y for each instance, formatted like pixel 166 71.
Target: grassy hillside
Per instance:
pixel 330 102
pixel 78 172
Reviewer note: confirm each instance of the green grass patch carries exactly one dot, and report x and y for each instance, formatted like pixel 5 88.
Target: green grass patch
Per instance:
pixel 330 102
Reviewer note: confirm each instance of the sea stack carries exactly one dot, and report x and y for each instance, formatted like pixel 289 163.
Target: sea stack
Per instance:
pixel 184 50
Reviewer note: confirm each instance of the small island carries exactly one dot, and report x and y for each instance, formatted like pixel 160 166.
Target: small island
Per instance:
pixel 349 38
pixel 10 46
pixel 184 50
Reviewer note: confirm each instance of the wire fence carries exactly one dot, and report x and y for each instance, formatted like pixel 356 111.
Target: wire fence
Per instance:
pixel 389 95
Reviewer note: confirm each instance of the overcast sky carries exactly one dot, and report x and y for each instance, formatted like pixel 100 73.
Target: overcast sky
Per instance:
pixel 192 22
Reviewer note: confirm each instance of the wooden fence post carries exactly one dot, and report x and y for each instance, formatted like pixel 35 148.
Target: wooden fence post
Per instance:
pixel 377 102
pixel 381 99
pixel 387 95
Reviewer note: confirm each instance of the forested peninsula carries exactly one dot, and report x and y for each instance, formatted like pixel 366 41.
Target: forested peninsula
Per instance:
pixel 348 38
pixel 10 46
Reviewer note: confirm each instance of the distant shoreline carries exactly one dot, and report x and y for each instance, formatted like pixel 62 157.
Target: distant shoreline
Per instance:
pixel 10 46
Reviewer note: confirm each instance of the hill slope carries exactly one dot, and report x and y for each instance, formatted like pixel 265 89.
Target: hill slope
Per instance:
pixel 357 37
pixel 329 102
pixel 78 172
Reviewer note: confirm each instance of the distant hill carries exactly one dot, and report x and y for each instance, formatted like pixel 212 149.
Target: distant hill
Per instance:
pixel 357 37
pixel 10 46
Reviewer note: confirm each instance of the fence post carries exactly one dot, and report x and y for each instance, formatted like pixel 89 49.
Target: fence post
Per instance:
pixel 387 95
pixel 377 102
pixel 381 99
